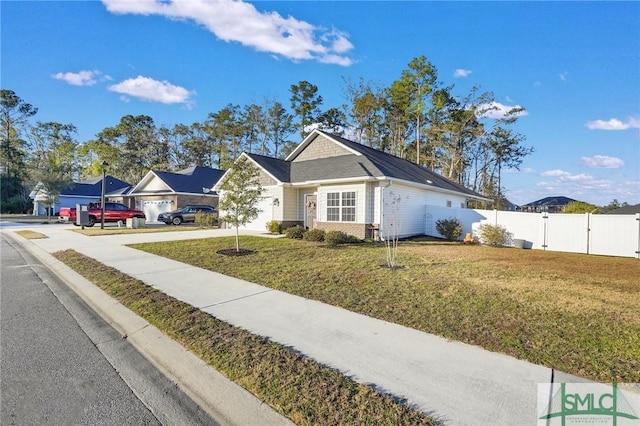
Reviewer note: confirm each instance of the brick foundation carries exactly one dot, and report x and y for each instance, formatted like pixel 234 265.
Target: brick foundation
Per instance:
pixel 358 230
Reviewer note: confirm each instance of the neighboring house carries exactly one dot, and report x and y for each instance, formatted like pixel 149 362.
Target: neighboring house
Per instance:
pixel 160 192
pixel 332 183
pixel 84 192
pixel 625 210
pixel 548 204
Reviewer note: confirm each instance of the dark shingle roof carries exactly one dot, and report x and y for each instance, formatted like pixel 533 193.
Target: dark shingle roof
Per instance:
pixel 625 210
pixel 192 179
pixel 280 169
pixel 370 162
pixel 93 187
pixel 550 201
pixel 395 167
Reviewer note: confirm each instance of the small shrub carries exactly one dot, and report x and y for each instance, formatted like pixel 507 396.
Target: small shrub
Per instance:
pixel 451 228
pixel 333 238
pixel 273 226
pixel 494 235
pixel 205 220
pixel 295 232
pixel 314 235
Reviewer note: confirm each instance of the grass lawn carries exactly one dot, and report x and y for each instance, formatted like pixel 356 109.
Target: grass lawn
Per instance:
pixel 305 391
pixel 576 313
pixel 31 235
pixel 114 230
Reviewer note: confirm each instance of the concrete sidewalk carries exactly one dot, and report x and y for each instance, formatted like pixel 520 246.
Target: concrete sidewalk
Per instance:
pixel 457 383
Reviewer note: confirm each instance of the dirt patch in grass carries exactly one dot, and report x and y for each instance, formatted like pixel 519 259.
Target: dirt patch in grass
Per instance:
pixel 306 392
pixel 234 252
pixel 576 313
pixel 31 235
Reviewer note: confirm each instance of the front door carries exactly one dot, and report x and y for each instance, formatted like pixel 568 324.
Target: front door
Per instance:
pixel 310 202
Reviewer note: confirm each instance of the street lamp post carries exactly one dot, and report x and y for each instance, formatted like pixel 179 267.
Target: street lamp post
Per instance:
pixel 104 166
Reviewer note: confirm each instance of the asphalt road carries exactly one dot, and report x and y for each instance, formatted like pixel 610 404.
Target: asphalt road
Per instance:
pixel 62 364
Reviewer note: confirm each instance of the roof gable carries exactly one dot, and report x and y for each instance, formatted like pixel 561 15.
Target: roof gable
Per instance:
pixel 319 145
pixel 93 187
pixel 191 180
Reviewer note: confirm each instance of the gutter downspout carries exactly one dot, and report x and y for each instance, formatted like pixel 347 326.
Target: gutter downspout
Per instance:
pixel 380 228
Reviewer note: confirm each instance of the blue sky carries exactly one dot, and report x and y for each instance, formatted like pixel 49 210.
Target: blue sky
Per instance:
pixel 574 66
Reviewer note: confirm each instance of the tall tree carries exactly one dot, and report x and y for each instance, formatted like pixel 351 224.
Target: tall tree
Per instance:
pixel 14 122
pixel 419 81
pixel 366 112
pixel 240 194
pixel 396 118
pixel 333 121
pixel 53 160
pixel 279 126
pixel 254 129
pixel 305 102
pixel 225 130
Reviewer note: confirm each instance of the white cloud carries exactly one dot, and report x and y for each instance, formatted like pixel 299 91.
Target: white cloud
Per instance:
pixel 602 162
pixel 563 76
pixel 461 73
pixel 585 187
pixel 233 20
pixel 614 124
pixel 81 78
pixel 555 173
pixel 149 89
pixel 496 110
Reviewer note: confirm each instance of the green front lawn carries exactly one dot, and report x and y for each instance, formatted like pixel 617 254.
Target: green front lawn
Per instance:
pixel 305 391
pixel 576 313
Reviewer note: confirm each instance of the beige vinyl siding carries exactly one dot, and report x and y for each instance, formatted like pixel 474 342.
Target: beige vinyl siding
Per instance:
pixel 154 185
pixel 321 147
pixel 265 179
pixel 290 209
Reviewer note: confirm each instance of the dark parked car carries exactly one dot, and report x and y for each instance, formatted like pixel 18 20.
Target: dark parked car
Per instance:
pixel 185 214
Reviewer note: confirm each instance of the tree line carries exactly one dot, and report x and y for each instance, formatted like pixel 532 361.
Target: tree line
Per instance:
pixel 417 117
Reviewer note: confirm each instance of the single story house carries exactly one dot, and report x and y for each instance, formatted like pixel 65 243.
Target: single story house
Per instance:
pixel 625 210
pixel 84 192
pixel 160 192
pixel 332 183
pixel 548 204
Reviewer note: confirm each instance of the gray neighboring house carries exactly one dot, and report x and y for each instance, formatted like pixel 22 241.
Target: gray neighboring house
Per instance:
pixel 332 183
pixel 84 192
pixel 625 210
pixel 548 204
pixel 160 192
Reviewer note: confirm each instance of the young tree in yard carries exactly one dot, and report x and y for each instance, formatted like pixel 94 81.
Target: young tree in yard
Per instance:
pixel 391 229
pixel 241 191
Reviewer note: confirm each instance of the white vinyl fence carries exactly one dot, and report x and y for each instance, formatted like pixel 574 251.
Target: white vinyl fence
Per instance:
pixel 609 235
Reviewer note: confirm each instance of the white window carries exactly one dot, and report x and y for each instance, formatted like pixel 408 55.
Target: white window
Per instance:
pixel 333 207
pixel 341 207
pixel 349 206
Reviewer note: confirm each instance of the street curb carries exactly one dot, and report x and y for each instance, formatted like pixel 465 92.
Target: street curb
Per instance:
pixel 224 400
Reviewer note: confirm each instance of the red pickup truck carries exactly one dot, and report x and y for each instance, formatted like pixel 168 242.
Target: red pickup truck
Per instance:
pixel 113 212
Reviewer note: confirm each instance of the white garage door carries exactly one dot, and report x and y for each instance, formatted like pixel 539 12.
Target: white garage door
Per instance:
pixel 153 208
pixel 260 224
